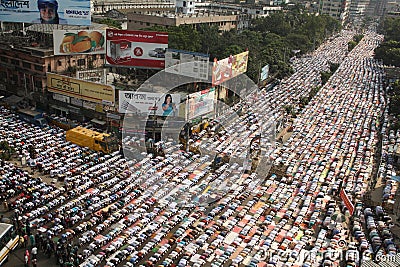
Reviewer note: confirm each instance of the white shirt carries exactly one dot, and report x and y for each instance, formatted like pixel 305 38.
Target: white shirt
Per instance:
pixel 34 250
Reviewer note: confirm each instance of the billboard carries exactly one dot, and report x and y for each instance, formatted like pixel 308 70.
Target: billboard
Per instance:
pixel 230 67
pixel 136 48
pixel 79 42
pixel 89 91
pixel 264 73
pixel 194 64
pixel 239 64
pixel 71 12
pixel 148 103
pixel 201 103
pixel 95 75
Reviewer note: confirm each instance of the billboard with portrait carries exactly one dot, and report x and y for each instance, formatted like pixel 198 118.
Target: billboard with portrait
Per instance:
pixel 89 91
pixel 149 103
pixel 70 12
pixel 144 49
pixel 229 67
pixel 79 42
pixel 191 64
pixel 201 103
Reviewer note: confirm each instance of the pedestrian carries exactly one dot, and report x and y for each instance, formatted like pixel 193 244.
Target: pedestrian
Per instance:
pixel 25 240
pixel 26 258
pixel 32 240
pixel 34 263
pixel 21 241
pixel 34 252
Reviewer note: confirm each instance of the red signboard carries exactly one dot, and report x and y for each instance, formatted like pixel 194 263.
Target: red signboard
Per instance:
pixel 346 200
pixel 136 48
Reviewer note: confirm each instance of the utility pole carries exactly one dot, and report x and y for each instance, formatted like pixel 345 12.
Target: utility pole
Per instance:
pixel 188 124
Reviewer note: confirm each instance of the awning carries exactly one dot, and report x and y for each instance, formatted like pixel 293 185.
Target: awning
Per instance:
pixel 60 108
pixel 98 121
pixel 12 100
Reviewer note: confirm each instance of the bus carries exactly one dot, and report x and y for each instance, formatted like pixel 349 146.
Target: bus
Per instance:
pixel 32 116
pixel 8 241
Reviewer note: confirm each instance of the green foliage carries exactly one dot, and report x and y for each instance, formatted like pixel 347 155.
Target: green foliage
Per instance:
pixel 111 23
pixel 389 50
pixel 325 76
pixel 333 66
pixel 358 38
pixel 269 40
pixel 5 150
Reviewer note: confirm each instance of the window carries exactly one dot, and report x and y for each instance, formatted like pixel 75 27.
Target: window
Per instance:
pixel 94 57
pixel 81 62
pixel 38 67
pixel 147 24
pixel 184 3
pixel 26 65
pixel 15 62
pixel 102 56
pixel 4 59
pixel 59 63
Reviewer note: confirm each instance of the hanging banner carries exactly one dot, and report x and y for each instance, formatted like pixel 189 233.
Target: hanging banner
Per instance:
pixel 346 200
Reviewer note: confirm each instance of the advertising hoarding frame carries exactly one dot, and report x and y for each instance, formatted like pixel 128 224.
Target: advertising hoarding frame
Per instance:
pixel 228 68
pixel 89 91
pixel 70 12
pixel 191 64
pixel 143 49
pixel 201 103
pixel 70 42
pixel 131 102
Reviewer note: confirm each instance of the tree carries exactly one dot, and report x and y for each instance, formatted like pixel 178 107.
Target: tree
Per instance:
pixel 111 23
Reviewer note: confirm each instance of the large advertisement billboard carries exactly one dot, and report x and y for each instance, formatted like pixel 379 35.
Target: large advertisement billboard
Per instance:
pixel 187 63
pixel 149 103
pixel 201 103
pixel 229 67
pixel 136 48
pixel 71 12
pixel 79 42
pixel 89 91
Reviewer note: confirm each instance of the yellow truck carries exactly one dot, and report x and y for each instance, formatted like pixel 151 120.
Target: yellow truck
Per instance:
pixel 94 140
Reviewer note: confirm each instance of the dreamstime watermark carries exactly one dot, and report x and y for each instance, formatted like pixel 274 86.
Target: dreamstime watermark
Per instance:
pixel 166 118
pixel 329 257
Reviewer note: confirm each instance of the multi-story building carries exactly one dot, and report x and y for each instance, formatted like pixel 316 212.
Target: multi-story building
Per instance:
pixel 103 6
pixel 224 15
pixel 25 60
pixel 225 22
pixel 338 9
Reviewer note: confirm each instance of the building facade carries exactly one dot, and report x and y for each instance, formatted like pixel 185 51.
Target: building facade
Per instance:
pixel 103 6
pixel 338 9
pixel 224 22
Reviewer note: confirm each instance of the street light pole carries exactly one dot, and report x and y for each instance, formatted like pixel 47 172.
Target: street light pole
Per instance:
pixel 187 123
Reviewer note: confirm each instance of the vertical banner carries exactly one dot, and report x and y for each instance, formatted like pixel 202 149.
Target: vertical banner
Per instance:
pixel 346 200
